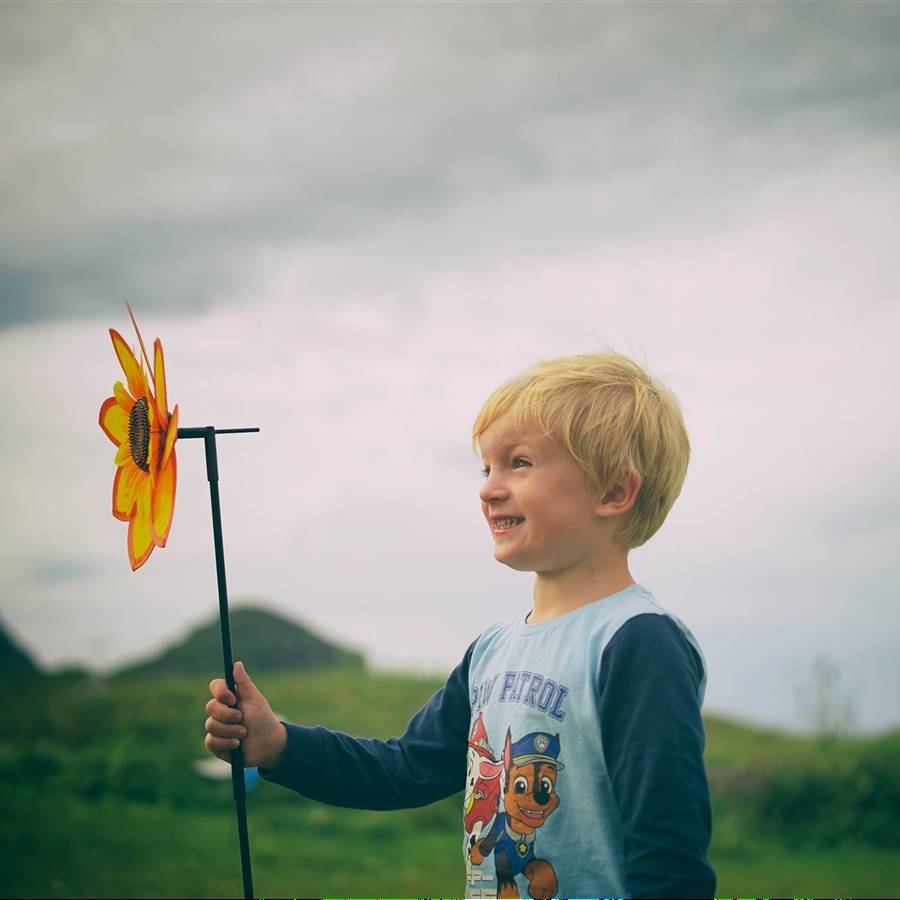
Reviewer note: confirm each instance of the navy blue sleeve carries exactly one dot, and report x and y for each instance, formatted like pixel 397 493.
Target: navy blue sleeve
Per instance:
pixel 427 763
pixel 653 741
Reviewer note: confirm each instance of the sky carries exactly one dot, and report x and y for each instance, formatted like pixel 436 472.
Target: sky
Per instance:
pixel 349 223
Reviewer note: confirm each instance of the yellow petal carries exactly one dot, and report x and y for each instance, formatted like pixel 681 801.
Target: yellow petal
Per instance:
pixel 159 382
pixel 124 452
pixel 140 529
pixel 125 487
pixel 123 398
pixel 114 421
pixel 129 364
pixel 164 501
pixel 171 435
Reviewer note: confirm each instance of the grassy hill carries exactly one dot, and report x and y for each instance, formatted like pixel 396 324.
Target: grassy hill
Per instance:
pixel 14 661
pixel 101 799
pixel 270 640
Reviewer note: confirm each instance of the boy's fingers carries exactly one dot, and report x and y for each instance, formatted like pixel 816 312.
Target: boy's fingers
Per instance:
pixel 218 687
pixel 223 713
pixel 223 730
pixel 220 747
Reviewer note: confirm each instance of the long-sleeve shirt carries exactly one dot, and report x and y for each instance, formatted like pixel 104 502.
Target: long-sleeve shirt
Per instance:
pixel 578 743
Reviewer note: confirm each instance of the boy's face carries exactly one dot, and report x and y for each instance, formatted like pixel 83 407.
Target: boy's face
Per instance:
pixel 533 478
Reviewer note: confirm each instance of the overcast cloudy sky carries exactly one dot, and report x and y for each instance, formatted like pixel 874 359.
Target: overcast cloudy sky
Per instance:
pixel 349 223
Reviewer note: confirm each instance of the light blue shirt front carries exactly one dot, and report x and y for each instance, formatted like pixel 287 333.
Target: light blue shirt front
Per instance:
pixel 540 811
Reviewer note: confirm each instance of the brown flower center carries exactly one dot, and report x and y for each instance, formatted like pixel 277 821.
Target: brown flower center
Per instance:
pixel 139 433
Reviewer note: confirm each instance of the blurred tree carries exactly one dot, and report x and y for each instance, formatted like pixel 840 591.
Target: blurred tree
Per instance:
pixel 825 705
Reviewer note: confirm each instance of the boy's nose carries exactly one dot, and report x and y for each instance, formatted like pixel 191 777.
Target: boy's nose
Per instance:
pixel 492 489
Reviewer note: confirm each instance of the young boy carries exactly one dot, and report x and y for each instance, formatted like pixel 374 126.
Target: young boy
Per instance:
pixel 575 731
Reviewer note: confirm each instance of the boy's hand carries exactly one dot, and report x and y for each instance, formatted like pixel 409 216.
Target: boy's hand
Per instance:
pixel 254 724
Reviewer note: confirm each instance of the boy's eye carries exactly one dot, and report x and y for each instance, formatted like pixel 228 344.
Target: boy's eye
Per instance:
pixel 487 470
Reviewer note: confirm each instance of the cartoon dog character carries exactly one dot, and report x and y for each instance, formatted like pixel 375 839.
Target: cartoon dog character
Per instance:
pixel 531 766
pixel 483 773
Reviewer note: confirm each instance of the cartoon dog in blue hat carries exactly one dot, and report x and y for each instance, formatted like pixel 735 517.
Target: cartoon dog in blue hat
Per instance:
pixel 531 767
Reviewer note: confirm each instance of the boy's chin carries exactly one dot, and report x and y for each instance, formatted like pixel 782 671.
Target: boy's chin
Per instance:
pixel 514 562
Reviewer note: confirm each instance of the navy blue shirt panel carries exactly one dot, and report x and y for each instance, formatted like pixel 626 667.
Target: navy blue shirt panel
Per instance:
pixel 653 741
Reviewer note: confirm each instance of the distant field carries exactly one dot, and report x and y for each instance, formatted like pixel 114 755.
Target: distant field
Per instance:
pixel 100 799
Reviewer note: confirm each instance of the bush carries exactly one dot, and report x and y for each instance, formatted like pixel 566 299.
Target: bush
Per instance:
pixel 820 800
pixel 85 775
pixel 137 775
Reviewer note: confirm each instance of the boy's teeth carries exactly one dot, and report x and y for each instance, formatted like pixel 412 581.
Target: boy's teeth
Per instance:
pixel 505 523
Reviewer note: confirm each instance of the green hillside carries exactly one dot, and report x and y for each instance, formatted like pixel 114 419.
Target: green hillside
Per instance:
pixel 101 798
pixel 269 639
pixel 14 661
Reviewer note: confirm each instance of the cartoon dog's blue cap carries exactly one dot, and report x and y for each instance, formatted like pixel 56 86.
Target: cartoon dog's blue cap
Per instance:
pixel 537 747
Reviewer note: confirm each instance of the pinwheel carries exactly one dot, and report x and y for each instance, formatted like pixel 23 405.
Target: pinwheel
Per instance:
pixel 137 420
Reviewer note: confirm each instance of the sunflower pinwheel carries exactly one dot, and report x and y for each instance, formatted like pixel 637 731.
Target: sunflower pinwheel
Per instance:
pixel 137 420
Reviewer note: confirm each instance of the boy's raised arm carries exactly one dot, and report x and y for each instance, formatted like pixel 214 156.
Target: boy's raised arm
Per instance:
pixel 653 740
pixel 426 763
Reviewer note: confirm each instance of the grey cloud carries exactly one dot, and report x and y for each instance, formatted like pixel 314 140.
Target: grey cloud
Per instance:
pixel 61 570
pixel 864 509
pixel 161 152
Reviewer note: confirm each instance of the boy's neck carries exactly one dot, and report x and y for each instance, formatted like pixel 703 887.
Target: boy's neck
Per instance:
pixel 562 592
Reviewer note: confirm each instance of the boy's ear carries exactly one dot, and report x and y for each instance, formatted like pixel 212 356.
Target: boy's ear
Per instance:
pixel 622 495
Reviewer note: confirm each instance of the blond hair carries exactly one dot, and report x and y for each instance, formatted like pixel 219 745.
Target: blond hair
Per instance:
pixel 609 414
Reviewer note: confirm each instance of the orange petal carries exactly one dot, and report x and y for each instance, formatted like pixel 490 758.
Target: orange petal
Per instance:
pixel 146 378
pixel 138 330
pixel 153 449
pixel 164 501
pixel 123 454
pixel 171 435
pixel 114 421
pixel 116 488
pixel 129 364
pixel 159 382
pixel 125 487
pixel 123 398
pixel 140 529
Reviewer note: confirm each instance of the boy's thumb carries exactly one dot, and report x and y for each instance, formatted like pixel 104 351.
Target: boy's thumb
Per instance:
pixel 242 682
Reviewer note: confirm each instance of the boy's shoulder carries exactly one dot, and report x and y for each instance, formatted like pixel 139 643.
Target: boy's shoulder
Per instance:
pixel 492 638
pixel 591 627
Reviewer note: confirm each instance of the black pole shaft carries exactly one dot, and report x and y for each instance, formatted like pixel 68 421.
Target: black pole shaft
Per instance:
pixel 238 784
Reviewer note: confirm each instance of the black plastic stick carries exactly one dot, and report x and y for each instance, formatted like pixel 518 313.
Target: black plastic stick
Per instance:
pixel 238 785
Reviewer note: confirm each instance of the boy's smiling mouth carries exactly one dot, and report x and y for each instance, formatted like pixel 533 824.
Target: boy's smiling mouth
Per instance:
pixel 505 524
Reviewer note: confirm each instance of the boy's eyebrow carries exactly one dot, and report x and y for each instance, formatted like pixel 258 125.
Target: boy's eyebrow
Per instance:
pixel 510 445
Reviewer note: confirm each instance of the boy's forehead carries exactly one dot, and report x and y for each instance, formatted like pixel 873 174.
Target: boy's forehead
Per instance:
pixel 504 433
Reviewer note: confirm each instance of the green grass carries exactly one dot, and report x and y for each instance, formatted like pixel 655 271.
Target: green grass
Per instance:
pixel 779 871
pixel 59 848
pixel 99 799
pixel 116 849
